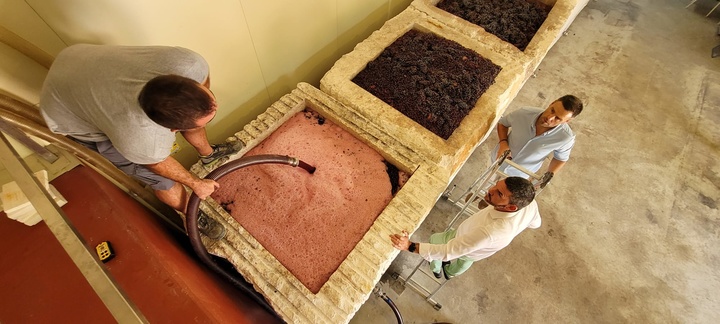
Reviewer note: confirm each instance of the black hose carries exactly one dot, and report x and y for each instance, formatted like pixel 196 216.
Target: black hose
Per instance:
pixel 194 232
pixel 394 308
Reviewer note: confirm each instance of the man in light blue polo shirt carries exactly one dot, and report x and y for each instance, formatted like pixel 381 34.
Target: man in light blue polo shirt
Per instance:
pixel 537 133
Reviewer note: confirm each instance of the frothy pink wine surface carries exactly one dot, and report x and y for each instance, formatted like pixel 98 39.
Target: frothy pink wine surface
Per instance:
pixel 309 222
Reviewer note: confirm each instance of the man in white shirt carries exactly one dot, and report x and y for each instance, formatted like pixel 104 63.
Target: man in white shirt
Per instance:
pixel 512 210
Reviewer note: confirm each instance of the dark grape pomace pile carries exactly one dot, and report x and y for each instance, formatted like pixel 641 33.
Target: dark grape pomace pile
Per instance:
pixel 432 80
pixel 514 21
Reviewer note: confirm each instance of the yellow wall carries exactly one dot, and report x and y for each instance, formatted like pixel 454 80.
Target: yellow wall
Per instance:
pixel 257 50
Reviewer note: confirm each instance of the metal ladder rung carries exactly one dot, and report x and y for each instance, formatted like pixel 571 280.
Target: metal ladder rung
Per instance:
pixel 419 288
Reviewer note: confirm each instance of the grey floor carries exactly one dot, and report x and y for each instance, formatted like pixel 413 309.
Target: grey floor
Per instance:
pixel 630 226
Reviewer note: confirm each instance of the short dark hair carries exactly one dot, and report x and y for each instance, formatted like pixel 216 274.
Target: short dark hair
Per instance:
pixel 522 191
pixel 572 104
pixel 174 101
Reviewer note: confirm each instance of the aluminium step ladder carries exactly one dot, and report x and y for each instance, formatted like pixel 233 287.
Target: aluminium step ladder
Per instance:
pixel 478 189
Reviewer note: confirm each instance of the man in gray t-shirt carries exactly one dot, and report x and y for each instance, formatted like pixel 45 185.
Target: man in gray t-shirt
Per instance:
pixel 127 102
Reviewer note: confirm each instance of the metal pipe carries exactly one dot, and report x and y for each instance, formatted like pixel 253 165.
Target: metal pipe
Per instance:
pixel 21 108
pixel 25 140
pixel 191 217
pixel 98 163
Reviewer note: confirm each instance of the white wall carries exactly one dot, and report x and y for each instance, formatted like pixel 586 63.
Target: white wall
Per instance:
pixel 257 50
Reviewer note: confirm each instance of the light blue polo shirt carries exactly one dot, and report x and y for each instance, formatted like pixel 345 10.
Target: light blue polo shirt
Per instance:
pixel 529 150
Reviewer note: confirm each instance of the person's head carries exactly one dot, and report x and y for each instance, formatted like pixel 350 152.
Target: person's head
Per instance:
pixel 511 194
pixel 561 111
pixel 177 102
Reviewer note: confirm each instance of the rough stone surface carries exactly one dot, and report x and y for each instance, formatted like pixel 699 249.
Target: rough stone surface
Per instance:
pixel 563 12
pixel 432 161
pixel 309 222
pixel 630 224
pixel 448 154
pixel 433 81
pixel 514 21
pixel 352 283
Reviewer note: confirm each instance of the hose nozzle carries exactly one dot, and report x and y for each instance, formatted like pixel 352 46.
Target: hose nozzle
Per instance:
pixel 309 168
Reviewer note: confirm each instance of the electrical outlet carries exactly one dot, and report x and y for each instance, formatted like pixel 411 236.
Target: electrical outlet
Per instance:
pixel 104 251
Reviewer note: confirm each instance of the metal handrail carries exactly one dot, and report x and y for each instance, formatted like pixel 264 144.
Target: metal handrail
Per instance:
pixel 26 118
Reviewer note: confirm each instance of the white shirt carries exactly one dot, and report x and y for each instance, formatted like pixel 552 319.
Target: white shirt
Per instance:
pixel 483 234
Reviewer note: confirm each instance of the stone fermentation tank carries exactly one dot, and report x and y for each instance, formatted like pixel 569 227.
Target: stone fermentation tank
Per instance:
pixel 349 286
pixel 431 161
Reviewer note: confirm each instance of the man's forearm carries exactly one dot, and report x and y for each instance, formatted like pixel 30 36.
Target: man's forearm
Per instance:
pixel 502 132
pixel 555 166
pixel 173 170
pixel 503 140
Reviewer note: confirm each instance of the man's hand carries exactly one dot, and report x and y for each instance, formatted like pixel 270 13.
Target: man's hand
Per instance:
pixel 400 241
pixel 503 141
pixel 545 179
pixel 204 187
pixel 502 147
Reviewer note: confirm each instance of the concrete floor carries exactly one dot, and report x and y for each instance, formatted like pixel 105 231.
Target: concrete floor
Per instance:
pixel 630 226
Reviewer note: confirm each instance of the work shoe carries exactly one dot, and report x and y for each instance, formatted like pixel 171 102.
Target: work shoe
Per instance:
pixel 444 263
pixel 210 227
pixel 221 150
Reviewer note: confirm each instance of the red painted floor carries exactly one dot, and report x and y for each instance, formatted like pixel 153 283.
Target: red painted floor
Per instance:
pixel 156 269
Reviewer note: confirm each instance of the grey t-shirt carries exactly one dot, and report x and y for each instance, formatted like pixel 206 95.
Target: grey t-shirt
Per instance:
pixel 91 93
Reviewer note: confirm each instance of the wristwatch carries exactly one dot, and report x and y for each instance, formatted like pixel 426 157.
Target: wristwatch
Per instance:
pixel 412 247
